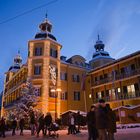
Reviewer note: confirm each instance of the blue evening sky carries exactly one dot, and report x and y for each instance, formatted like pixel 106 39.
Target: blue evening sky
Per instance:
pixel 76 24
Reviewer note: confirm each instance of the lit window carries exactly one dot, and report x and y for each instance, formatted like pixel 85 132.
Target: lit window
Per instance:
pixel 90 96
pixel 119 90
pixel 99 95
pixel 131 91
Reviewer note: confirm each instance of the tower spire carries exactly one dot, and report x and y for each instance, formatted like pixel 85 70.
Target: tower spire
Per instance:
pixel 98 37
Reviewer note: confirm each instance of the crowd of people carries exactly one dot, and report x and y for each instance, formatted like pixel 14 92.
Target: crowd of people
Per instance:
pixel 101 123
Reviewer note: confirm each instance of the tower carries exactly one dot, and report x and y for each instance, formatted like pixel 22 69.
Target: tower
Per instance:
pixel 100 56
pixel 44 67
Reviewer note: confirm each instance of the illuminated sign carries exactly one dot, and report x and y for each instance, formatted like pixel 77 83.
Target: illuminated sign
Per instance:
pixel 53 74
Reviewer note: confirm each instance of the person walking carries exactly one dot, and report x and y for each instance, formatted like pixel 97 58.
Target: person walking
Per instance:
pixel 21 126
pixel 41 125
pixel 14 126
pixel 78 121
pixel 32 123
pixel 101 119
pixel 48 122
pixel 91 123
pixel 111 123
pixel 2 127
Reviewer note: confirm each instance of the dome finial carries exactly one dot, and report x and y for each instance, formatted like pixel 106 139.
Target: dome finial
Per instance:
pixel 98 37
pixel 46 15
pixel 18 51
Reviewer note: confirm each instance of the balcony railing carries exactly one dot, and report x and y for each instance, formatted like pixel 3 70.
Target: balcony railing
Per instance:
pixel 123 96
pixel 116 77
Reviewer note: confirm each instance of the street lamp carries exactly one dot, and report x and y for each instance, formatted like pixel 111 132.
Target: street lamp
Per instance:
pixel 56 91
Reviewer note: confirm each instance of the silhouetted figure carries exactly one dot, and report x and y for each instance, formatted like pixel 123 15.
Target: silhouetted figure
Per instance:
pixel 78 121
pixel 91 122
pixel 111 122
pixel 48 122
pixel 21 125
pixel 32 123
pixel 41 125
pixel 101 120
pixel 14 126
pixel 2 127
pixel 71 123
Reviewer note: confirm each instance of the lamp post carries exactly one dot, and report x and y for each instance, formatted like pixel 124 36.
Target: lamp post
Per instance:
pixel 56 91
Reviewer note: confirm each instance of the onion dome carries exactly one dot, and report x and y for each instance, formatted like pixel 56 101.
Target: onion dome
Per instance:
pixel 17 63
pixel 45 30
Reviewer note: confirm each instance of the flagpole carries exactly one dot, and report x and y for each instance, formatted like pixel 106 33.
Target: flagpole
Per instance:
pixel 85 101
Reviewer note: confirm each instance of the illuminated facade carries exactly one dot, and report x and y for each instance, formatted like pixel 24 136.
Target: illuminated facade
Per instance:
pixel 71 84
pixel 118 82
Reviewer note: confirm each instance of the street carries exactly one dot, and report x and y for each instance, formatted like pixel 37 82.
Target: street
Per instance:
pixel 122 134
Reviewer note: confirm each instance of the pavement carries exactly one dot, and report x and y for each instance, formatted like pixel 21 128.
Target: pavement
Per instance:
pixel 122 134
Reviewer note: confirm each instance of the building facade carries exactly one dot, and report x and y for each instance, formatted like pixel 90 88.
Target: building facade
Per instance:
pixel 71 84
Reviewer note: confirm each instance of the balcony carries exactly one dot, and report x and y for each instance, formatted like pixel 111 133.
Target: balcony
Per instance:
pixel 124 96
pixel 116 77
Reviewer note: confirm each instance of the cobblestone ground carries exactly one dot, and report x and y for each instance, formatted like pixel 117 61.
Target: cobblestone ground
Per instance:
pixel 120 135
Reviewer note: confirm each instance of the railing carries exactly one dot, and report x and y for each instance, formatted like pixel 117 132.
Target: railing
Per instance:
pixel 116 77
pixel 123 96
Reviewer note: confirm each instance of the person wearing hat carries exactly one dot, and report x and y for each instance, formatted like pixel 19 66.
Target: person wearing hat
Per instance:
pixel 101 119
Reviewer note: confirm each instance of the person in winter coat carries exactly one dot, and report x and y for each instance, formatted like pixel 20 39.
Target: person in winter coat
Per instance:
pixel 21 126
pixel 2 127
pixel 111 123
pixel 71 123
pixel 78 121
pixel 101 119
pixel 32 123
pixel 41 125
pixel 91 123
pixel 48 121
pixel 14 126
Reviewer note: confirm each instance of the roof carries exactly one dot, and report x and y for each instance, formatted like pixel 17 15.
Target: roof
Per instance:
pixel 116 61
pixel 75 111
pixel 126 107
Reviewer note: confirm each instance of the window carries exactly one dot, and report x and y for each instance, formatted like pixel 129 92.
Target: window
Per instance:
pixel 52 94
pixel 37 91
pixel 99 95
pixel 96 79
pixel 63 76
pixel 132 67
pixel 105 76
pixel 122 70
pixel 64 96
pixel 101 77
pixel 75 78
pixel 76 95
pixel 38 51
pixel 53 52
pixel 131 91
pixel 112 94
pixel 37 69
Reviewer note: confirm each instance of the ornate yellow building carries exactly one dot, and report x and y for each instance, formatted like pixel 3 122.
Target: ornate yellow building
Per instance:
pixel 71 84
